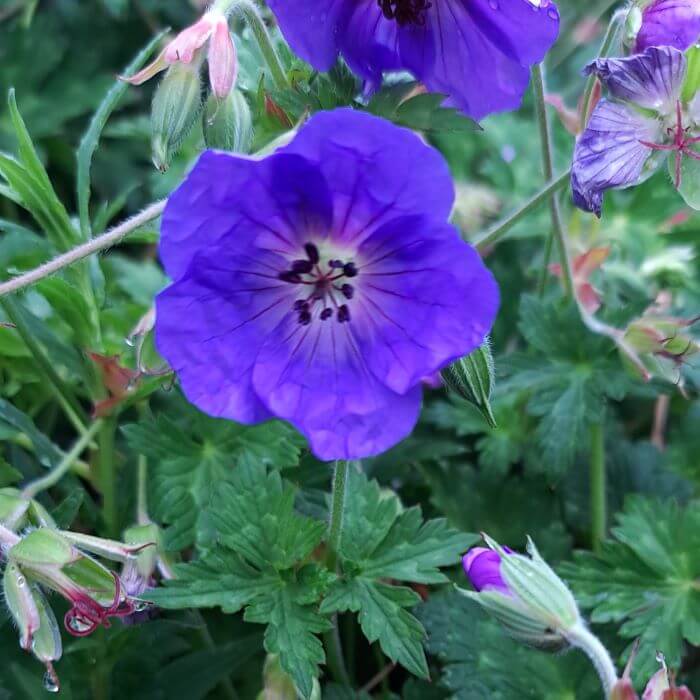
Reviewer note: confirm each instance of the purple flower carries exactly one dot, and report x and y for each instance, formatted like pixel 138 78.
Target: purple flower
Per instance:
pixel 669 23
pixel 477 52
pixel 320 284
pixel 628 134
pixel 483 568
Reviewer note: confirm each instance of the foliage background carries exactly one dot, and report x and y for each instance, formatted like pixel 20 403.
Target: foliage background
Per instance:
pixel 557 383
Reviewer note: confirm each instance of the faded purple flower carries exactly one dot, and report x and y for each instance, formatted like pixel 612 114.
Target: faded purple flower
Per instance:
pixel 629 133
pixel 669 23
pixel 483 567
pixel 477 52
pixel 321 284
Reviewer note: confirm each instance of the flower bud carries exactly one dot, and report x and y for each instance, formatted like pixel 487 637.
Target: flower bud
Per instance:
pixel 472 378
pixel 176 105
pixel 227 123
pixel 13 508
pixel 222 59
pixel 523 594
pixel 278 685
pixel 673 23
pixel 43 547
pixel 21 604
pixel 623 690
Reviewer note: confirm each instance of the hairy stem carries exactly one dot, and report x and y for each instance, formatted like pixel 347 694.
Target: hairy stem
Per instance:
pixel 585 640
pixel 547 165
pixel 60 470
pixel 106 240
pixel 498 230
pixel 142 517
pixel 335 533
pixel 253 19
pixel 598 497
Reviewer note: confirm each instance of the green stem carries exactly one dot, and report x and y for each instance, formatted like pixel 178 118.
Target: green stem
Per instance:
pixel 333 646
pixel 335 525
pixel 142 517
pixel 548 167
pixel 252 17
pixel 597 486
pixel 108 476
pixel 599 656
pixel 57 473
pixel 65 397
pixel 605 47
pixel 498 230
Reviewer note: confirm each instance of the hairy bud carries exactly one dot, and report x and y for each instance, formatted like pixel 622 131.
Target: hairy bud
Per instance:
pixel 227 123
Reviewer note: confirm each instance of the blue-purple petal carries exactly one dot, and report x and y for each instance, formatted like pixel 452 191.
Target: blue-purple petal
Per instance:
pixel 673 23
pixel 652 79
pixel 611 152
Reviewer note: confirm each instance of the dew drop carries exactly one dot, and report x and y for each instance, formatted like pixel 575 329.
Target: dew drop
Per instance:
pixel 77 625
pixel 140 606
pixel 552 13
pixel 21 581
pixel 51 683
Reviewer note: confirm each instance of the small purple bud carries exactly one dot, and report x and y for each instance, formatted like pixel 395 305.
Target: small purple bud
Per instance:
pixel 483 568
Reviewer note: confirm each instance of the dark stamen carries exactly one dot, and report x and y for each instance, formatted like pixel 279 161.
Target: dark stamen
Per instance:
pixel 343 314
pixel 301 305
pixel 405 11
pixel 350 269
pixel 348 291
pixel 302 267
pixel 289 276
pixel 335 264
pixel 326 314
pixel 312 253
pixel 304 318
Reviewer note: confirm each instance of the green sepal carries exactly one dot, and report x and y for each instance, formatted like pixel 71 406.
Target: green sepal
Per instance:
pixel 691 84
pixel 227 123
pixel 472 377
pixel 21 604
pixel 47 645
pixel 42 547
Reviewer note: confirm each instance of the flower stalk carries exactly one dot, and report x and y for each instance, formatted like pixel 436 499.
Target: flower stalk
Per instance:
pixel 598 497
pixel 55 475
pixel 582 638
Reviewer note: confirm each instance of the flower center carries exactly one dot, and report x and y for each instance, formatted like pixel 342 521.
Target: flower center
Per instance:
pixel 327 289
pixel 682 143
pixel 405 11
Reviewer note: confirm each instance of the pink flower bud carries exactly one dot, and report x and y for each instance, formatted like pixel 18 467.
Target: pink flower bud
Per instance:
pixel 223 61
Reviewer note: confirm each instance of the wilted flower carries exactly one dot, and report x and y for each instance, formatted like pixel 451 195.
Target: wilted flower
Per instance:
pixel 523 593
pixel 477 52
pixel 320 284
pixel 187 47
pixel 668 23
pixel 630 133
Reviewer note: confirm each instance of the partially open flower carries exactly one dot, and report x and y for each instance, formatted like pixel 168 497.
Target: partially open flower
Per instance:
pixel 210 32
pixel 649 114
pixel 662 685
pixel 523 593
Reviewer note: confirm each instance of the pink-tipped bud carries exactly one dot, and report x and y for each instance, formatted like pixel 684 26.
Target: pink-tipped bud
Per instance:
pixel 222 58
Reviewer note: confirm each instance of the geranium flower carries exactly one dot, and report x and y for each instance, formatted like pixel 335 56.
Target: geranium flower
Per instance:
pixel 478 52
pixel 669 23
pixel 321 284
pixel 629 134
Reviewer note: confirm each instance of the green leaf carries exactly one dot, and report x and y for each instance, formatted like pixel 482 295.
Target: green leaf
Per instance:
pixel 382 541
pixel 384 618
pixel 47 453
pixel 70 305
pixel 91 139
pixel 253 514
pixel 645 579
pixel 221 579
pixel 291 632
pixel 479 661
pixel 191 454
